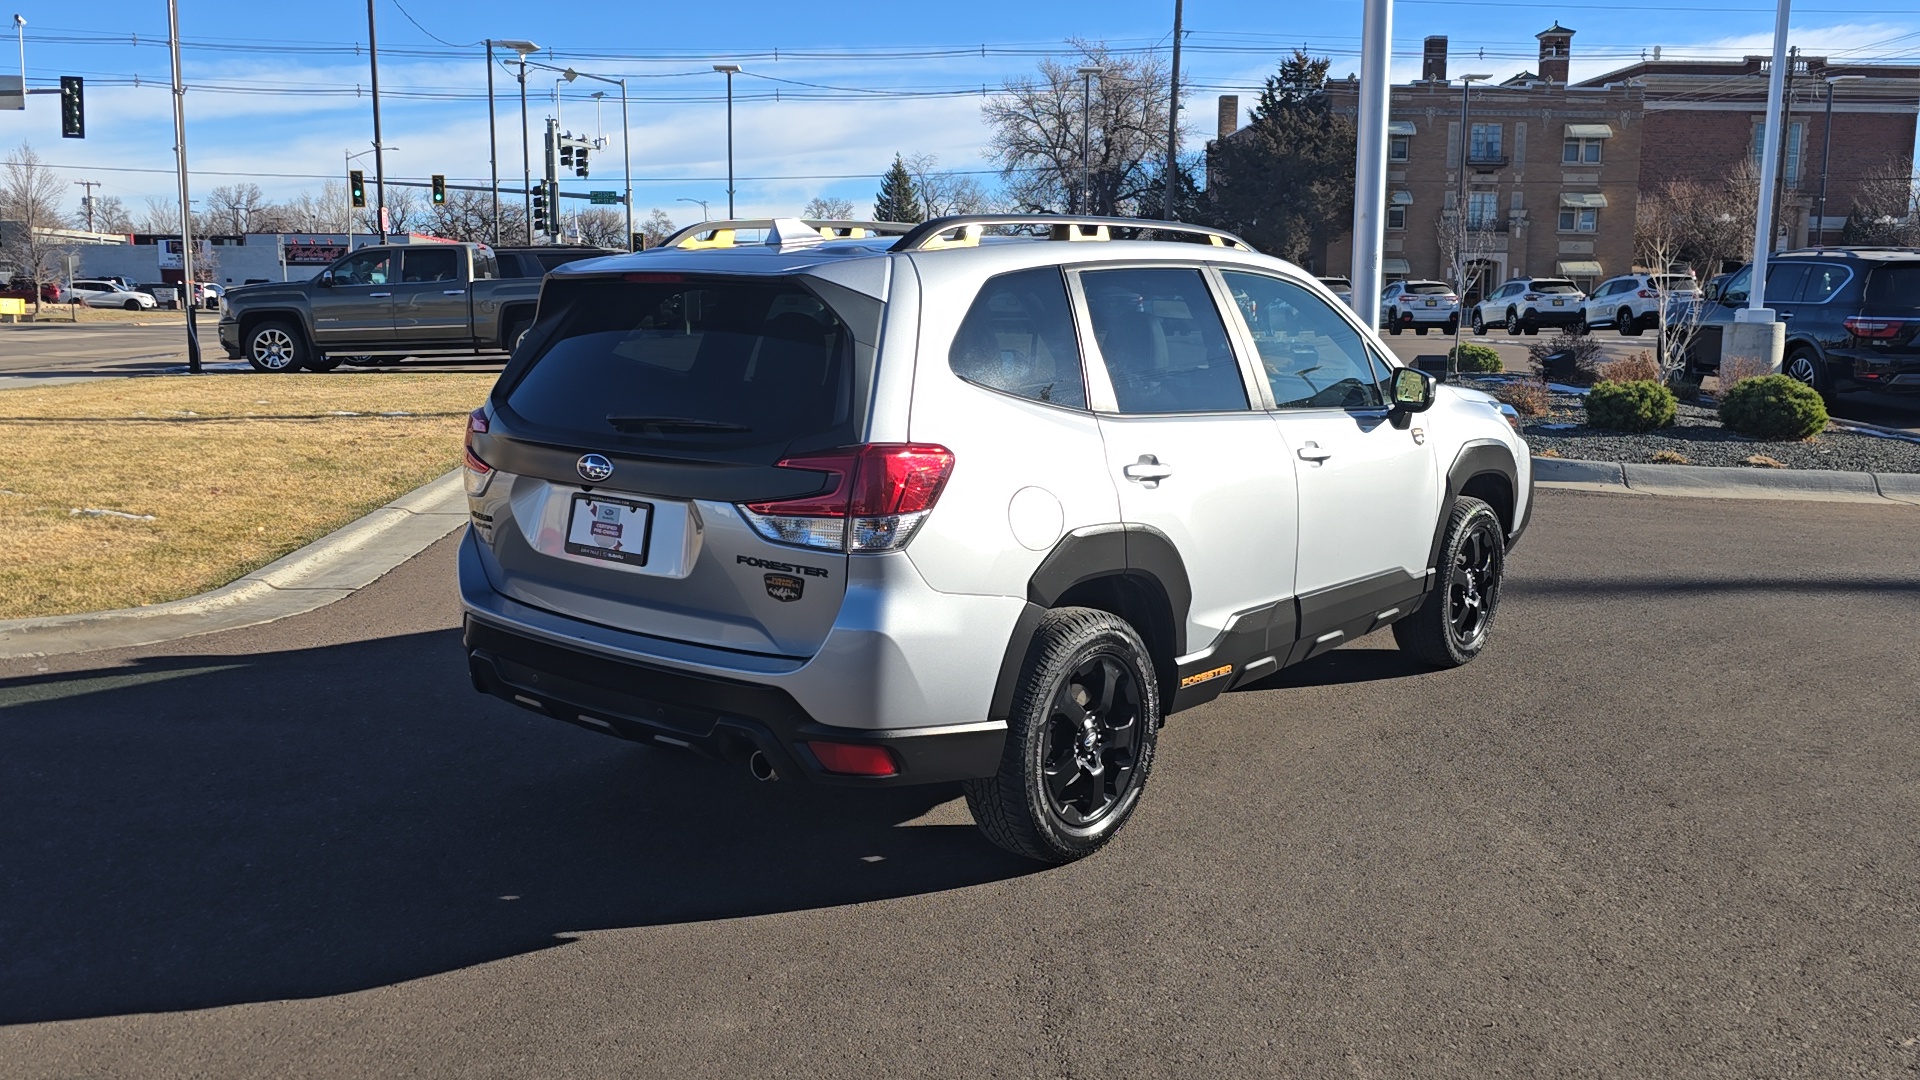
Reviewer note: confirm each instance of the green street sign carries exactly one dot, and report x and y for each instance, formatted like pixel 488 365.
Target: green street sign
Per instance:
pixel 604 198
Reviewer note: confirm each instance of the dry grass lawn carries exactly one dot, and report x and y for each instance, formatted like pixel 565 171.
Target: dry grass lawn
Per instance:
pixel 235 471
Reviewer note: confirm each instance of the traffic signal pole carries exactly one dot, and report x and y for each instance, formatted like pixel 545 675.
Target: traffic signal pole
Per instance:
pixel 186 203
pixel 379 155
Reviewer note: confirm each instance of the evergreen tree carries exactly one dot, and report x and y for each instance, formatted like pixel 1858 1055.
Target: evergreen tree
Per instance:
pixel 1285 181
pixel 899 197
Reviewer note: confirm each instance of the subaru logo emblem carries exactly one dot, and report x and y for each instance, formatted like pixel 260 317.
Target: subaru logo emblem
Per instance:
pixel 594 468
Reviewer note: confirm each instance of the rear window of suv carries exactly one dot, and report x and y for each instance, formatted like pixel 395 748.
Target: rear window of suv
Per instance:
pixel 692 364
pixel 1894 289
pixel 1429 288
pixel 1548 285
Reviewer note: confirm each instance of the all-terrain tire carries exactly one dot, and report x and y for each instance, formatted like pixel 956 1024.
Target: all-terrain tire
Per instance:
pixel 1455 623
pixel 1017 807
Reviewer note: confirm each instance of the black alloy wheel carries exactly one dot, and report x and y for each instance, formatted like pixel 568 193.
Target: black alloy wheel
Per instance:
pixel 1803 365
pixel 1080 740
pixel 1453 624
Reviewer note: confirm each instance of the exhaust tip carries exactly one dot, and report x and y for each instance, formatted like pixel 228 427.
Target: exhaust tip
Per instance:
pixel 760 767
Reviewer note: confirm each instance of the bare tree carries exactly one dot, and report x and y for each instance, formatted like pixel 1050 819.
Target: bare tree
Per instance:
pixel 162 216
pixel 657 226
pixel 1883 210
pixel 1037 131
pixel 231 208
pixel 1663 226
pixel 602 227
pixel 109 215
pixel 1464 245
pixel 465 216
pixel 823 208
pixel 30 195
pixel 944 192
pixel 404 212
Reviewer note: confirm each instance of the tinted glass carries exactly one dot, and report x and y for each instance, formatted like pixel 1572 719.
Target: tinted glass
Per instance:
pixel 690 364
pixel 1429 288
pixel 1894 289
pixel 366 268
pixel 1553 285
pixel 1676 283
pixel 430 264
pixel 1164 345
pixel 1018 338
pixel 1823 279
pixel 1313 358
pixel 1784 281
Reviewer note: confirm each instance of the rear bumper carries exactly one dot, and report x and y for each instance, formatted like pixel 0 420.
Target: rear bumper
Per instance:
pixel 1893 373
pixel 1553 316
pixel 718 718
pixel 1433 316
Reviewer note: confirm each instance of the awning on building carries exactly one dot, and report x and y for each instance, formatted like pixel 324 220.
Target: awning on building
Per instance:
pixel 1589 131
pixel 1401 198
pixel 1580 269
pixel 1394 266
pixel 1401 127
pixel 1584 200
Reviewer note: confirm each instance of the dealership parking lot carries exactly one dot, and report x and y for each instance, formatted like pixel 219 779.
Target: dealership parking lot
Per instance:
pixel 1663 828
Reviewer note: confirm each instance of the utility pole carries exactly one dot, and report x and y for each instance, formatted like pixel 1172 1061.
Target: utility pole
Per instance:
pixel 1086 137
pixel 1173 123
pixel 186 204
pixel 89 185
pixel 1786 146
pixel 379 164
pixel 493 147
pixel 729 70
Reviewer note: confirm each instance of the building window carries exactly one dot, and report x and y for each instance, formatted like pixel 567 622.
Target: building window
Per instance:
pixel 1396 217
pixel 1483 209
pixel 1486 143
pixel 1397 148
pixel 1794 142
pixel 1579 219
pixel 1581 152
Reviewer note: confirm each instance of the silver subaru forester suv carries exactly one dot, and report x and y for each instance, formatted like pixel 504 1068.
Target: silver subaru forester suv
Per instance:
pixel 983 500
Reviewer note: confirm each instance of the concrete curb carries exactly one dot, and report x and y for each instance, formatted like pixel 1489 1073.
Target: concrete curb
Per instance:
pixel 1708 482
pixel 326 570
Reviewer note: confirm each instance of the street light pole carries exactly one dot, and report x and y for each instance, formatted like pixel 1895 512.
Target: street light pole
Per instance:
pixel 379 164
pixel 526 154
pixel 493 148
pixel 704 215
pixel 626 139
pixel 1370 174
pixel 186 204
pixel 1826 154
pixel 1173 123
pixel 729 70
pixel 1086 137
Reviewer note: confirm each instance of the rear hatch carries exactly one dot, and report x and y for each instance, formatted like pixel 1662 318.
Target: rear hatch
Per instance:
pixel 1889 320
pixel 630 434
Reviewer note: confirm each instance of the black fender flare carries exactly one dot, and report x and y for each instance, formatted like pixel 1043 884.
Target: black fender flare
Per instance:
pixel 1136 552
pixel 1477 458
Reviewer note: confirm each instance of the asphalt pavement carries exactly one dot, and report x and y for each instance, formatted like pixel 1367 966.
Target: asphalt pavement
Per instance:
pixel 1663 828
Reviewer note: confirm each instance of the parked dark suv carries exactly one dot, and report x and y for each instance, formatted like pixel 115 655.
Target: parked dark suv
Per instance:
pixel 1852 315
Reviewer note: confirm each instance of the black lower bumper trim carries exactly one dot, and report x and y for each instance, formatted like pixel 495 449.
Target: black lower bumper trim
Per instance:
pixel 719 718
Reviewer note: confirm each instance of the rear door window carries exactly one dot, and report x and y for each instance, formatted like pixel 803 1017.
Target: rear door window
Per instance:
pixel 1894 289
pixel 429 264
pixel 1165 347
pixel 1823 280
pixel 1018 338
pixel 722 365
pixel 1784 282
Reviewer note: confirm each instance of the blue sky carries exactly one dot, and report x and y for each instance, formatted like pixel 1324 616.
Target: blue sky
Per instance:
pixel 279 88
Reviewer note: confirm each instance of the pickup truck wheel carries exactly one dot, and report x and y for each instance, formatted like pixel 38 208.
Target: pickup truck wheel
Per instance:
pixel 322 364
pixel 1080 740
pixel 275 347
pixel 1452 626
pixel 515 330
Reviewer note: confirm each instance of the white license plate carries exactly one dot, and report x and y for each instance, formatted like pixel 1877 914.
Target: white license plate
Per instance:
pixel 1433 303
pixel 600 527
pixel 1558 303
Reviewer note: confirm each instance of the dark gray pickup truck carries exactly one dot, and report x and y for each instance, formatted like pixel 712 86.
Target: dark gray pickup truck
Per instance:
pixel 407 299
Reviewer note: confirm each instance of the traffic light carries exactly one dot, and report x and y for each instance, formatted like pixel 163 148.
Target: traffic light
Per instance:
pixel 639 242
pixel 73 107
pixel 439 189
pixel 540 208
pixel 580 162
pixel 566 154
pixel 357 187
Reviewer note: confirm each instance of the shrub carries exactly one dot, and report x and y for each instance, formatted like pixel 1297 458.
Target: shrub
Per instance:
pixel 1687 390
pixel 1778 408
pixel 1585 351
pixel 1471 356
pixel 1639 367
pixel 1528 397
pixel 1641 405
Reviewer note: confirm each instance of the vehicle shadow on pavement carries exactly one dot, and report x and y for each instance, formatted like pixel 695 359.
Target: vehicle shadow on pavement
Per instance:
pixel 198 831
pixel 1353 664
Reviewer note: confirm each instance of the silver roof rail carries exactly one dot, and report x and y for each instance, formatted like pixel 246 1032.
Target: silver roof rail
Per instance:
pixel 964 230
pixel 720 234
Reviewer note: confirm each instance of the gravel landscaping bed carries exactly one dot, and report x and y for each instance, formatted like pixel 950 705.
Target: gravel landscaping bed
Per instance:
pixel 1696 436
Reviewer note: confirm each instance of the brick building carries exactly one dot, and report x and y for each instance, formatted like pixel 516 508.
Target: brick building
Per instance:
pixel 1703 118
pixel 1552 173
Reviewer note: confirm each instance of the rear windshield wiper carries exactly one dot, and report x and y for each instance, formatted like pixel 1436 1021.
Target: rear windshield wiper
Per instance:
pixel 668 425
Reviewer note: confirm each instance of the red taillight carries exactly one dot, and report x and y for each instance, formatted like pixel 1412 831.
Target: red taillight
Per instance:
pixel 478 473
pixel 1862 326
pixel 1531 296
pixel 883 489
pixel 1648 294
pixel 854 759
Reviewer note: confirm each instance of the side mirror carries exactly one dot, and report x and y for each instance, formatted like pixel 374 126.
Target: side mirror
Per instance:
pixel 325 280
pixel 1412 390
pixel 1711 292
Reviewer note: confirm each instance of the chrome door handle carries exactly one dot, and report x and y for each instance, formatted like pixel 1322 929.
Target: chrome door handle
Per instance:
pixel 453 292
pixel 1313 452
pixel 377 295
pixel 1147 470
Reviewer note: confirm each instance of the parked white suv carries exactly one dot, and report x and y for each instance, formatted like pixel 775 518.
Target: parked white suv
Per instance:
pixel 899 509
pixel 110 294
pixel 1419 305
pixel 1631 303
pixel 1524 305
